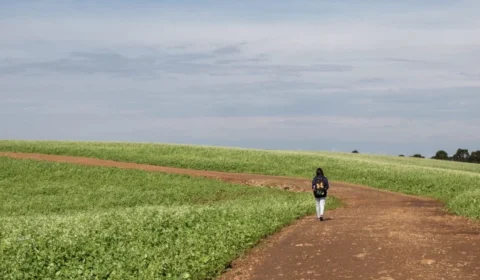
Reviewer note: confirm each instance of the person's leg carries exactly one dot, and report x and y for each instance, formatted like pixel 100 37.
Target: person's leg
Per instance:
pixel 317 207
pixel 322 206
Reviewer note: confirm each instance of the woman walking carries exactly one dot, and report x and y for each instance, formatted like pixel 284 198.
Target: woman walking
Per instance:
pixel 320 187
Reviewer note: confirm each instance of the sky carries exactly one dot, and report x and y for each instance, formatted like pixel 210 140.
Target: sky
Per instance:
pixel 382 77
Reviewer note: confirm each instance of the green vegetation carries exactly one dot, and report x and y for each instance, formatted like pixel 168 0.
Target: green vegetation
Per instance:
pixel 454 183
pixel 65 221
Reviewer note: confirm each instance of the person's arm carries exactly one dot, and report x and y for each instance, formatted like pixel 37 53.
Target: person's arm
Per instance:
pixel 326 184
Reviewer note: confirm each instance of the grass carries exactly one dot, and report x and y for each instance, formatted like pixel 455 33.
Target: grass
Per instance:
pixel 65 221
pixel 456 184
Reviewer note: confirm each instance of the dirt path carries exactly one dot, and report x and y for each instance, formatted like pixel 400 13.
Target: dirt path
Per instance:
pixel 378 235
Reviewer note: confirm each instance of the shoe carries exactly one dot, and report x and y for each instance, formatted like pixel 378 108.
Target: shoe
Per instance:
pixel 321 218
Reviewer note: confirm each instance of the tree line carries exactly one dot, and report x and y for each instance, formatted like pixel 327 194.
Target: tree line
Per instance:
pixel 461 155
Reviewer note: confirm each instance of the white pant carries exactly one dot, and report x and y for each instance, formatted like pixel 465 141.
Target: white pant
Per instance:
pixel 320 205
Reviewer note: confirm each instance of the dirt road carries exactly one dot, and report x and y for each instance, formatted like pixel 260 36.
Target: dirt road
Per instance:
pixel 377 235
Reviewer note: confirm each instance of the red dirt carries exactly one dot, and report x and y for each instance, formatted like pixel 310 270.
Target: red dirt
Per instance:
pixel 377 235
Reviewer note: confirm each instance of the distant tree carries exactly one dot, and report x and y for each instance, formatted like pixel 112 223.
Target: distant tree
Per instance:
pixel 442 155
pixel 355 152
pixel 461 155
pixel 474 157
pixel 401 155
pixel 418 156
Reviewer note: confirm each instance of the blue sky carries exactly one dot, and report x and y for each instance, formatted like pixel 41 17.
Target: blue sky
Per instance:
pixel 392 77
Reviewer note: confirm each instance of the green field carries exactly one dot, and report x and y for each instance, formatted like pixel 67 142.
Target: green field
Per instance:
pixel 456 184
pixel 65 221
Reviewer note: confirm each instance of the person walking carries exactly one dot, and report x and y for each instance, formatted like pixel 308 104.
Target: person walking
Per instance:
pixel 320 187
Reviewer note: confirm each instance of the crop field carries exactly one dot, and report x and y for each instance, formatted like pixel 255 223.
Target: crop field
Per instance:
pixel 66 221
pixel 456 184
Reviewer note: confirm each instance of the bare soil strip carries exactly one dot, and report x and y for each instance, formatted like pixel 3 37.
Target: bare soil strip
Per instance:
pixel 377 235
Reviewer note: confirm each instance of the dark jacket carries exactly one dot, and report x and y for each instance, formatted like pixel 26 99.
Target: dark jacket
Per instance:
pixel 325 184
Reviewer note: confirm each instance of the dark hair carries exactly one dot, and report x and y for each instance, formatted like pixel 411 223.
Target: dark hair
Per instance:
pixel 319 172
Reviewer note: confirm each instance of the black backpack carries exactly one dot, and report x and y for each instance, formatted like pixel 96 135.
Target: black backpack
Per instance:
pixel 319 188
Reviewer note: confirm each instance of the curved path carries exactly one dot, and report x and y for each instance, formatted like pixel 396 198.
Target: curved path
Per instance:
pixel 377 235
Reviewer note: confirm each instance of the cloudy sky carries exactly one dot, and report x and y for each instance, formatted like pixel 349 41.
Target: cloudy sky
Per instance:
pixel 378 76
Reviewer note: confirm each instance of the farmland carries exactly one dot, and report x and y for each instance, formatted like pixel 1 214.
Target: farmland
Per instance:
pixel 73 221
pixel 453 183
pixel 67 221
